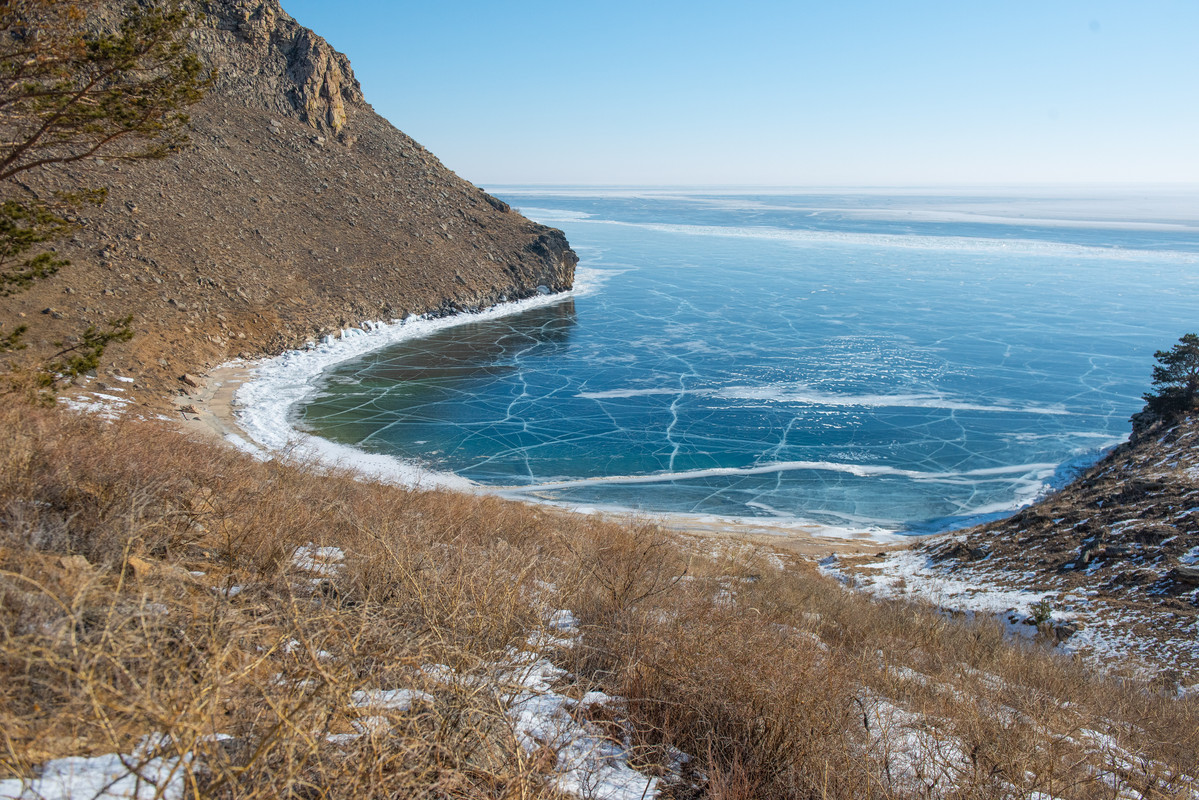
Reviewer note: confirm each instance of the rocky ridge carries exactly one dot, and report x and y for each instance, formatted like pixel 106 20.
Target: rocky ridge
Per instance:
pixel 1113 557
pixel 1128 529
pixel 295 211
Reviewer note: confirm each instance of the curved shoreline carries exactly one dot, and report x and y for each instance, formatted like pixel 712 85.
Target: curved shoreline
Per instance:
pixel 247 406
pixel 250 406
pixel 215 415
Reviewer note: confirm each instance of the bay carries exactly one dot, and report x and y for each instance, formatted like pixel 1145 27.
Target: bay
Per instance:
pixel 909 361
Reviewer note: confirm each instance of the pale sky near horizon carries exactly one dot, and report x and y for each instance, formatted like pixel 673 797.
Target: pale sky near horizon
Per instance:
pixel 765 92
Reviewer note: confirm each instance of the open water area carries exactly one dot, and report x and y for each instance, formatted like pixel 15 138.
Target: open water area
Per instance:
pixel 906 361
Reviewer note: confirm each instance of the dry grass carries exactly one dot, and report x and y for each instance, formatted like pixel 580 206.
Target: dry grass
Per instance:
pixel 108 635
pixel 772 678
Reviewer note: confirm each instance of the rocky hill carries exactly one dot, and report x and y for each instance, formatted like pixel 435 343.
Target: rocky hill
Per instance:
pixel 1108 564
pixel 295 210
pixel 1127 530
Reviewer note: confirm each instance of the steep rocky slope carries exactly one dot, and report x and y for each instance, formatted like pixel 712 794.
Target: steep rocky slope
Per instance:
pixel 295 210
pixel 1113 558
pixel 1127 530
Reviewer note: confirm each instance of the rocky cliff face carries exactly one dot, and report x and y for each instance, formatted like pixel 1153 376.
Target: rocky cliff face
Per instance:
pixel 295 211
pixel 266 60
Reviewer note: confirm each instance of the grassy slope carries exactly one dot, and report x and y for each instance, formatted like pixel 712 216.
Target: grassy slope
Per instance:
pixel 778 682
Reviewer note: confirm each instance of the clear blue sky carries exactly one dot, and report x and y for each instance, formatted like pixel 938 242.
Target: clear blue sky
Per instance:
pixel 783 93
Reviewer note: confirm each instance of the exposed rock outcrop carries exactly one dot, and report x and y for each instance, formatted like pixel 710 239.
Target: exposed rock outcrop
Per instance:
pixel 1126 530
pixel 267 60
pixel 296 210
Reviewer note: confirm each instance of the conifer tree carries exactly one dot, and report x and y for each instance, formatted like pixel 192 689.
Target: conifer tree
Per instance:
pixel 1175 377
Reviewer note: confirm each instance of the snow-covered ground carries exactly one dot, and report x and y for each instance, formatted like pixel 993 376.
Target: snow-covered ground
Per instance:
pixel 588 761
pixel 144 774
pixel 1087 625
pixel 106 402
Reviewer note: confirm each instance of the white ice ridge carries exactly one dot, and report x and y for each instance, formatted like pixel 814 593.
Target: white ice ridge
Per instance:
pixel 805 396
pixel 1151 210
pixel 554 215
pixel 957 244
pixel 265 402
pixel 610 394
pixel 1038 472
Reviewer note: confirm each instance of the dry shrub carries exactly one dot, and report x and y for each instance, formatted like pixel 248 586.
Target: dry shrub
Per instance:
pixel 149 584
pixel 705 673
pixel 782 684
pixel 250 664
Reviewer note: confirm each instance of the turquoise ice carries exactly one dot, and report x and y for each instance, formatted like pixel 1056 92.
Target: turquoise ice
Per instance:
pixel 908 362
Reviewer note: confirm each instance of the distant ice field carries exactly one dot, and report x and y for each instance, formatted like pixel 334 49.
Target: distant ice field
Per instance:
pixel 909 362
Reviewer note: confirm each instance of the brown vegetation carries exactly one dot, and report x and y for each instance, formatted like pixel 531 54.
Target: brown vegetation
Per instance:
pixel 1114 544
pixel 149 584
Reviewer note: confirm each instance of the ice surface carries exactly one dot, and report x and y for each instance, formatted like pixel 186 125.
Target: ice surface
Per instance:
pixel 241 444
pixel 918 363
pixel 265 403
pixel 975 245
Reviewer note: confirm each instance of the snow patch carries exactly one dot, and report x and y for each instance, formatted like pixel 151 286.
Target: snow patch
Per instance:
pixel 394 699
pixel 323 561
pixel 141 775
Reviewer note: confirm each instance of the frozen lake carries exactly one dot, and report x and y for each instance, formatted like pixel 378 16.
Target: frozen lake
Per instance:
pixel 907 361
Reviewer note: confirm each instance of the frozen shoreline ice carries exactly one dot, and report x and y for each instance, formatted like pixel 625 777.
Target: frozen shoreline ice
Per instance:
pixel 264 405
